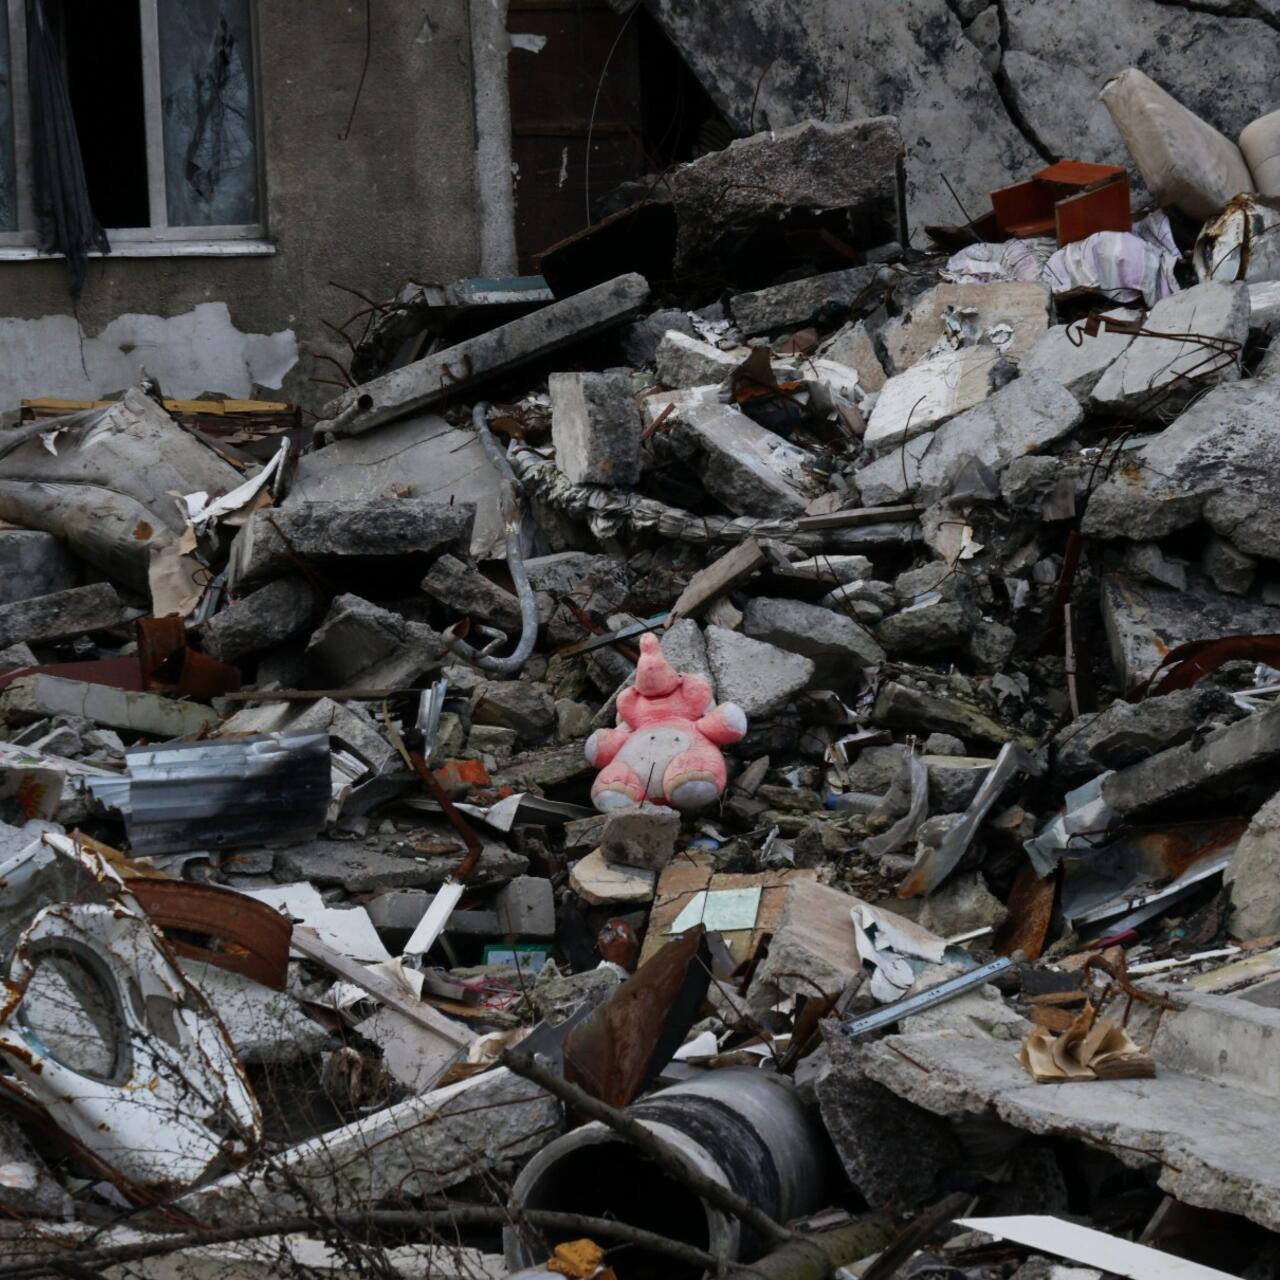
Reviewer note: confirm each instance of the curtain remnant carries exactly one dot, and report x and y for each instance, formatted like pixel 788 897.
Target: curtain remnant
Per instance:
pixel 65 217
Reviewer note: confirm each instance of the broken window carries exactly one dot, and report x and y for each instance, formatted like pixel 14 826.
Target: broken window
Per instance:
pixel 210 140
pixel 164 106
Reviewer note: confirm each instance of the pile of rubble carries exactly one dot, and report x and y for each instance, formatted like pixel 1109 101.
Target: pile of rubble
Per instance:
pixel 704 800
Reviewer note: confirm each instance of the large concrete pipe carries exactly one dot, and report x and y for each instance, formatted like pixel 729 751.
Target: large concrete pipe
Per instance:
pixel 743 1127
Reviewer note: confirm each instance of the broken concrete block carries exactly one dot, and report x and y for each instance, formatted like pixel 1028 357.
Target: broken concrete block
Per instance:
pixel 870 1128
pixel 418 1147
pixel 421 457
pixel 261 620
pixel 17 655
pixel 932 392
pixel 524 908
pixel 347 722
pixel 1253 876
pixel 961 905
pixel 467 593
pixel 492 740
pixel 897 706
pixel 758 677
pixel 810 166
pixel 64 614
pixel 595 427
pixel 1215 463
pixel 641 338
pixel 936 618
pixel 1147 562
pixel 1010 315
pixel 573 720
pixel 644 836
pixel 853 346
pixel 544 767
pixel 1206 767
pixel 1067 354
pixel 752 471
pixel 1030 414
pixel 450 372
pixel 362 868
pixel 523 705
pixel 837 644
pixel 1153 374
pixel 603 884
pixel 346 535
pixel 683 361
pixel 1183 161
pixel 31 697
pixel 953 782
pixel 787 306
pixel 359 645
pixel 1228 568
pixel 1144 622
pixel 34 564
pixel 813 945
pixel 1128 732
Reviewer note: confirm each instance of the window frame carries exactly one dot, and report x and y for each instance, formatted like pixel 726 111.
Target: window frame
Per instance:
pixel 158 239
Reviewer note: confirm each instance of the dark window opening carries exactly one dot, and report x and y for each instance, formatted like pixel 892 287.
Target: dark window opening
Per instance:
pixel 102 45
pixel 601 105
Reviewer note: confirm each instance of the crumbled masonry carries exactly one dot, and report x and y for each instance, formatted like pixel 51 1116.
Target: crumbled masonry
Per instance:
pixel 817 699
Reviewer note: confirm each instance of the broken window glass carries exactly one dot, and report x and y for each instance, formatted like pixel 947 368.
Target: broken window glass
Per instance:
pixel 207 92
pixel 8 158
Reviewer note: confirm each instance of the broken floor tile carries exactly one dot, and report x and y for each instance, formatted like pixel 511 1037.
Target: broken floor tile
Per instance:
pixel 601 884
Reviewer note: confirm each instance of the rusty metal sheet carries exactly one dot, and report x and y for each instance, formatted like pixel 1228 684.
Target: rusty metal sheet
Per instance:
pixel 1030 911
pixel 1188 663
pixel 620 1048
pixel 219 926
pixel 169 666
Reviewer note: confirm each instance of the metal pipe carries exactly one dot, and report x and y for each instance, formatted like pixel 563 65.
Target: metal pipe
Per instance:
pixel 514 661
pixel 743 1127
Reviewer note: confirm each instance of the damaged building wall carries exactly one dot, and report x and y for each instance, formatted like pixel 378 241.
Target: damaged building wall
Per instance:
pixel 984 92
pixel 394 199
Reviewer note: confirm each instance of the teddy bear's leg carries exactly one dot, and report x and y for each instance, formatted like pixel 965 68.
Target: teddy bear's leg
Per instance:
pixel 695 778
pixel 616 787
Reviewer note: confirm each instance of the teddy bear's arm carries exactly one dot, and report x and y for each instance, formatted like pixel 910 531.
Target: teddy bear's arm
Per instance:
pixel 604 745
pixel 726 724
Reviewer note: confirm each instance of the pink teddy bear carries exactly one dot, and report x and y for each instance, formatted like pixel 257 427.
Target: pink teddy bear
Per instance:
pixel 666 748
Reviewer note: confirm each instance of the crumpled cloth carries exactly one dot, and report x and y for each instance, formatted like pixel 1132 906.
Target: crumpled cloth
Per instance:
pixel 1124 265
